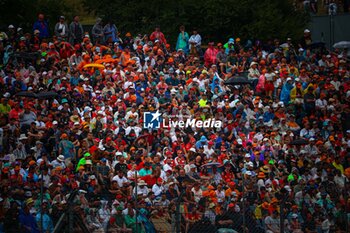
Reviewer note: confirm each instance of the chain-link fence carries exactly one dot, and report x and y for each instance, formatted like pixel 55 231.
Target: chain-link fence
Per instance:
pixel 244 216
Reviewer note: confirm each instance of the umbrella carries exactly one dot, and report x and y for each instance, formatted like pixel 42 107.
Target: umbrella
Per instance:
pixel 239 80
pixel 212 164
pixel 94 65
pixel 28 94
pixel 146 137
pixel 284 45
pixel 342 45
pixel 209 166
pixel 299 142
pixel 46 95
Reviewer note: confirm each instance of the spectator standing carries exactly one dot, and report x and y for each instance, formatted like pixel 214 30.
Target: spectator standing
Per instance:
pixel 97 32
pixel 110 32
pixel 76 31
pixel 42 25
pixel 182 40
pixel 195 43
pixel 61 29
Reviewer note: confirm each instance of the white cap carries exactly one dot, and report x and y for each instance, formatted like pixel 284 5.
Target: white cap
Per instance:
pixel 289 79
pixel 239 141
pixel 306 31
pixel 301 50
pixel 250 164
pixel 87 109
pixel 88 162
pixel 55 123
pixel 193 150
pixel 11 26
pixel 76 123
pixel 247 155
pixel 118 153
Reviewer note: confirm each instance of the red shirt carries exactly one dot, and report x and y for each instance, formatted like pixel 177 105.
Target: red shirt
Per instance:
pixel 14 113
pixel 150 180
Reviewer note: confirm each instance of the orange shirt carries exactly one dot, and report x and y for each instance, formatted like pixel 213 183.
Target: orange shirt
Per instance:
pixel 125 57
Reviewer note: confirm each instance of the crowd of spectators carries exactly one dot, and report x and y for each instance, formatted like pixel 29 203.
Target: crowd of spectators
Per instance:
pixel 283 147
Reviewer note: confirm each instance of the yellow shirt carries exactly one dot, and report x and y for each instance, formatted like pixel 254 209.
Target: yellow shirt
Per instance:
pixel 5 108
pixel 339 167
pixel 202 103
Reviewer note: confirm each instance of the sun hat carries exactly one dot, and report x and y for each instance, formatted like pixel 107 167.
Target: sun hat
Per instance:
pixel 22 137
pixel 261 175
pixel 60 158
pixel 141 183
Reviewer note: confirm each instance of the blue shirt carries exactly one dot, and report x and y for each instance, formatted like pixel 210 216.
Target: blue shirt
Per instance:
pixel 47 222
pixel 43 27
pixel 28 221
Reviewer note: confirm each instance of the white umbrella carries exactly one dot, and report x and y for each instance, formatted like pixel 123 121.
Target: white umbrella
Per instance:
pixel 285 45
pixel 342 45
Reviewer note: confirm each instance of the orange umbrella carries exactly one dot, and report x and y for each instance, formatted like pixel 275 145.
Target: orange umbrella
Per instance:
pixel 106 60
pixel 94 65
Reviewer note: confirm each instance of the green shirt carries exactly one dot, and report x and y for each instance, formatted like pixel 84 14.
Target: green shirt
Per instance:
pixel 5 108
pixel 145 172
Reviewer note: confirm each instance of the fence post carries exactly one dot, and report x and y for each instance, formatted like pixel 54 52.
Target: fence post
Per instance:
pixel 178 214
pixel 282 215
pixel 136 201
pixel 243 205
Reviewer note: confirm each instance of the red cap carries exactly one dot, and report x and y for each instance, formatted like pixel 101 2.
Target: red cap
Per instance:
pixel 108 139
pixel 160 180
pixel 168 152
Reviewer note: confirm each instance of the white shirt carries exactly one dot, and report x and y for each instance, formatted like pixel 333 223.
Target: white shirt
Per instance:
pixel 321 103
pixel 157 189
pixel 57 163
pixel 197 194
pixel 197 39
pixel 143 190
pixel 208 151
pixel 131 174
pixel 63 28
pixel 135 128
pixel 134 115
pixel 119 180
pixel 128 84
